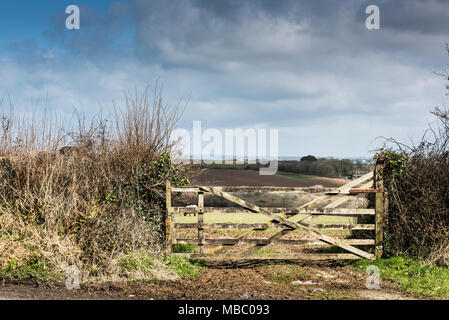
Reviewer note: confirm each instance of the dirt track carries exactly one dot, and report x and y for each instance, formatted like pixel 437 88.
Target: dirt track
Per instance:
pixel 226 177
pixel 269 282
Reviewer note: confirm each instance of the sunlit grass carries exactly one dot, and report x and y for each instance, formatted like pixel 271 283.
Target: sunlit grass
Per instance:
pixel 413 275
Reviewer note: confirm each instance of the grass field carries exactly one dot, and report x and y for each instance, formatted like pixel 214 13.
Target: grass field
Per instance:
pixel 248 217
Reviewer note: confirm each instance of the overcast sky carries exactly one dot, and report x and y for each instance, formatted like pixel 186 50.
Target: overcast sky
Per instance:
pixel 310 69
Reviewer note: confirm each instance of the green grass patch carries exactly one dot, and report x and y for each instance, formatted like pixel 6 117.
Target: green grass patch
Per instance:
pixel 184 267
pixel 183 248
pixel 295 175
pixel 133 262
pixel 413 275
pixel 33 269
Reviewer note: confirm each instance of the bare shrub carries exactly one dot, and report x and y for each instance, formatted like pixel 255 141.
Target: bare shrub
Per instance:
pixel 417 180
pixel 84 192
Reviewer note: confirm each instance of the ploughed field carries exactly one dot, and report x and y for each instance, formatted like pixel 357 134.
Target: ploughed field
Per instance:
pixel 229 177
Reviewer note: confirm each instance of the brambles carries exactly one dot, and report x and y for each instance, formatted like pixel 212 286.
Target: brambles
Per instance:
pixel 85 194
pixel 417 180
pixel 393 161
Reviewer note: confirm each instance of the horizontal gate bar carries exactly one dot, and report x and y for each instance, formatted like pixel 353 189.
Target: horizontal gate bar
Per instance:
pixel 262 226
pixel 230 242
pixel 248 189
pixel 307 256
pixel 367 191
pixel 343 226
pixel 275 190
pixel 337 211
pixel 323 211
pixel 195 225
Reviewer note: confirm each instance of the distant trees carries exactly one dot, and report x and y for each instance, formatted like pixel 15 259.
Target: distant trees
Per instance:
pixel 309 158
pixel 323 167
pixel 308 165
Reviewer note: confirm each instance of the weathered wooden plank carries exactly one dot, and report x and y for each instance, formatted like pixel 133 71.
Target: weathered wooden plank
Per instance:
pixel 168 218
pixel 258 226
pixel 308 256
pixel 379 224
pixel 289 211
pixel 336 211
pixel 274 190
pixel 366 191
pixel 260 241
pixel 344 226
pixel 289 223
pixel 359 242
pixel 259 189
pixel 345 188
pixel 186 189
pixel 380 210
pixel 263 226
pixel 200 220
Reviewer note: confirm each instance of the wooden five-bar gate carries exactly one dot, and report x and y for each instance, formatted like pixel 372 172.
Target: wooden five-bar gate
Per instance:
pixel 281 218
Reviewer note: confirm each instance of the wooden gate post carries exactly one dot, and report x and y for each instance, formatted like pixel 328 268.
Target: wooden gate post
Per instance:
pixel 168 218
pixel 200 221
pixel 379 208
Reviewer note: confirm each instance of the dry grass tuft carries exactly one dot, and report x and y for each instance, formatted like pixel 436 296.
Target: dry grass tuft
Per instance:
pixel 85 193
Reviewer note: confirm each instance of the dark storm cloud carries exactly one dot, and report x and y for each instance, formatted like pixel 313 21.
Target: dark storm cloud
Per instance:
pixel 201 34
pixel 423 16
pixel 430 16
